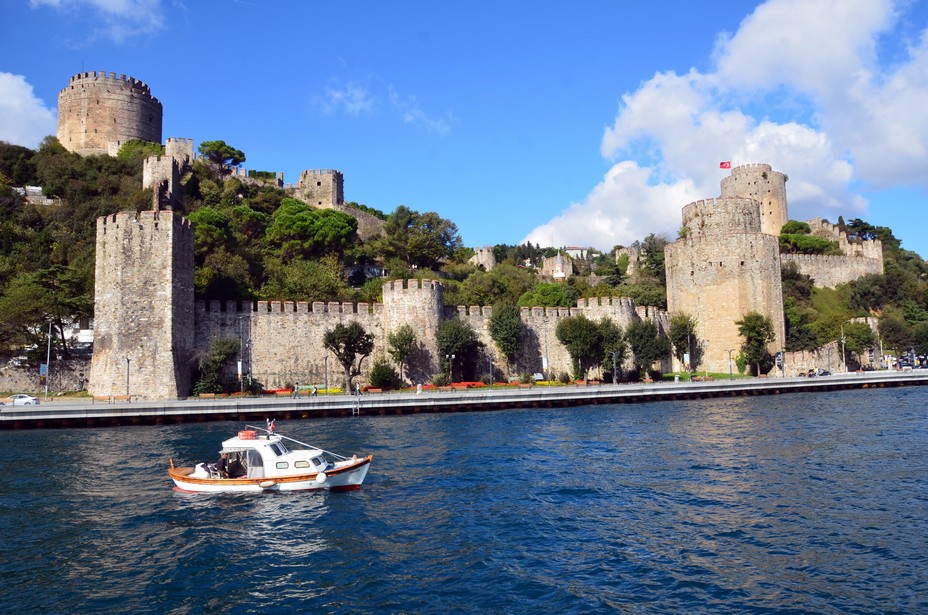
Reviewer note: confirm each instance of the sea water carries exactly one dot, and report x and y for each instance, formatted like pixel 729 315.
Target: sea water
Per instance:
pixel 812 503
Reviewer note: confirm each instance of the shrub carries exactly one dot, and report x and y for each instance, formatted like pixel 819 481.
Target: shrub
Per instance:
pixel 384 376
pixel 441 379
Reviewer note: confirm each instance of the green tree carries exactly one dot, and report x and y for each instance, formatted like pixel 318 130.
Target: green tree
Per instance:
pixel 383 376
pixel 858 338
pixel 506 328
pixel 221 353
pixel 458 338
pixel 615 347
pixel 306 280
pixel 222 155
pixel 757 331
pixel 420 240
pixel 652 253
pixel 549 294
pixel 683 338
pixel 647 344
pixel 402 343
pixel 584 342
pixel 55 296
pixel 350 344
pixel 299 231
pixel 897 334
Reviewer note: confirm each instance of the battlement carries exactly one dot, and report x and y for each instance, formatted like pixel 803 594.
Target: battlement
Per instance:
pixel 121 80
pixel 753 167
pixel 396 287
pixel 318 172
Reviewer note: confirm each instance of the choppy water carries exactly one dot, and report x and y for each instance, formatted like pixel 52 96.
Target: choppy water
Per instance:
pixel 788 504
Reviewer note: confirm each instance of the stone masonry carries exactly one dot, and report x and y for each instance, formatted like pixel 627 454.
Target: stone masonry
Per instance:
pixel 97 109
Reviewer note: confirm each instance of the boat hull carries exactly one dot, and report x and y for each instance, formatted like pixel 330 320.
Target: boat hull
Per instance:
pixel 344 478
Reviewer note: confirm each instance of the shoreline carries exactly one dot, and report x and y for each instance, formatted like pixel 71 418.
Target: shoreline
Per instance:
pixel 68 414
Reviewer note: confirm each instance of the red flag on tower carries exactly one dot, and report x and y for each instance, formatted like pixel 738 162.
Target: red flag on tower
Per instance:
pixel 725 165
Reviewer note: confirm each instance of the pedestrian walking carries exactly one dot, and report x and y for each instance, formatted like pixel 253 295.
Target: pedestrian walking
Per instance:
pixel 296 391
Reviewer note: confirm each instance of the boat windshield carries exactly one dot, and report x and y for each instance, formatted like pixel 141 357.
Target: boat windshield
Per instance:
pixel 278 448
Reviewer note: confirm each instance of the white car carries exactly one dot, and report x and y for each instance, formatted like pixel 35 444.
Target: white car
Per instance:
pixel 21 399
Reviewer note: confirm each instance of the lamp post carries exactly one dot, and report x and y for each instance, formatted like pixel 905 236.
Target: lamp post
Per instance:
pixel 48 359
pixel 450 358
pixel 615 378
pixel 490 366
pixel 843 350
pixel 731 375
pixel 545 333
pixel 127 376
pixel 241 357
pixel 326 361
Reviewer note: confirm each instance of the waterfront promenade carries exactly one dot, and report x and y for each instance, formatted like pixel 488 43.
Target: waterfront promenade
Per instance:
pixel 56 414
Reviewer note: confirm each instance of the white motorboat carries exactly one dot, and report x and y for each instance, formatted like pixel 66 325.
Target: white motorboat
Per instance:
pixel 267 461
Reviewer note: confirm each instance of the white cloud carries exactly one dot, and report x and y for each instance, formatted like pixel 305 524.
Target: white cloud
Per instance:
pixel 24 119
pixel 409 109
pixel 799 86
pixel 351 98
pixel 121 19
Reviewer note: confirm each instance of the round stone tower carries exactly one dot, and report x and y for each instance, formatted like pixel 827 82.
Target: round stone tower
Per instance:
pixel 420 304
pixel 766 186
pixel 97 109
pixel 723 268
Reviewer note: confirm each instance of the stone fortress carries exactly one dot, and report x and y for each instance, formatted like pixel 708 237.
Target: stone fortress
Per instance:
pixel 150 331
pixel 728 263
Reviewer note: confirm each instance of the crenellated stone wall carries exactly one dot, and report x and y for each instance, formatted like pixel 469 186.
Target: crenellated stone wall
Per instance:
pixel 831 271
pixel 97 108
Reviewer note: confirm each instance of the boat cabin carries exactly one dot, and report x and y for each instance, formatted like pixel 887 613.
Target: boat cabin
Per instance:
pixel 267 456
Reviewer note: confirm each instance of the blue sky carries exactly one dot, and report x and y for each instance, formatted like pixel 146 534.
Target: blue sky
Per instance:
pixel 586 123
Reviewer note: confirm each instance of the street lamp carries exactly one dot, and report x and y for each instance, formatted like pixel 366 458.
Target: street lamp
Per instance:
pixel 127 376
pixel 490 361
pixel 241 357
pixel 326 361
pixel 450 358
pixel 731 376
pixel 544 331
pixel 615 378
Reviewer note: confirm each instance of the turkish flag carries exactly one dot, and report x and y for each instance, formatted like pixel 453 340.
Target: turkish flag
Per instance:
pixel 725 165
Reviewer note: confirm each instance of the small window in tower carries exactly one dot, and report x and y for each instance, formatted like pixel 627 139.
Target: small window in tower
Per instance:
pixel 742 263
pixel 318 183
pixel 720 263
pixel 692 273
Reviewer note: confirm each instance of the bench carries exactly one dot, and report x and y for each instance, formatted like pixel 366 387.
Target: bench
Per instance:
pixel 125 398
pixel 207 396
pixel 369 390
pixel 101 398
pixel 283 394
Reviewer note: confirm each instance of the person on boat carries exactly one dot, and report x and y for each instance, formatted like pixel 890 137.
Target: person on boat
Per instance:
pixel 222 466
pixel 236 468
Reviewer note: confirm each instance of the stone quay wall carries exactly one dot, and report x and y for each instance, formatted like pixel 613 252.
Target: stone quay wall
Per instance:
pixel 97 108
